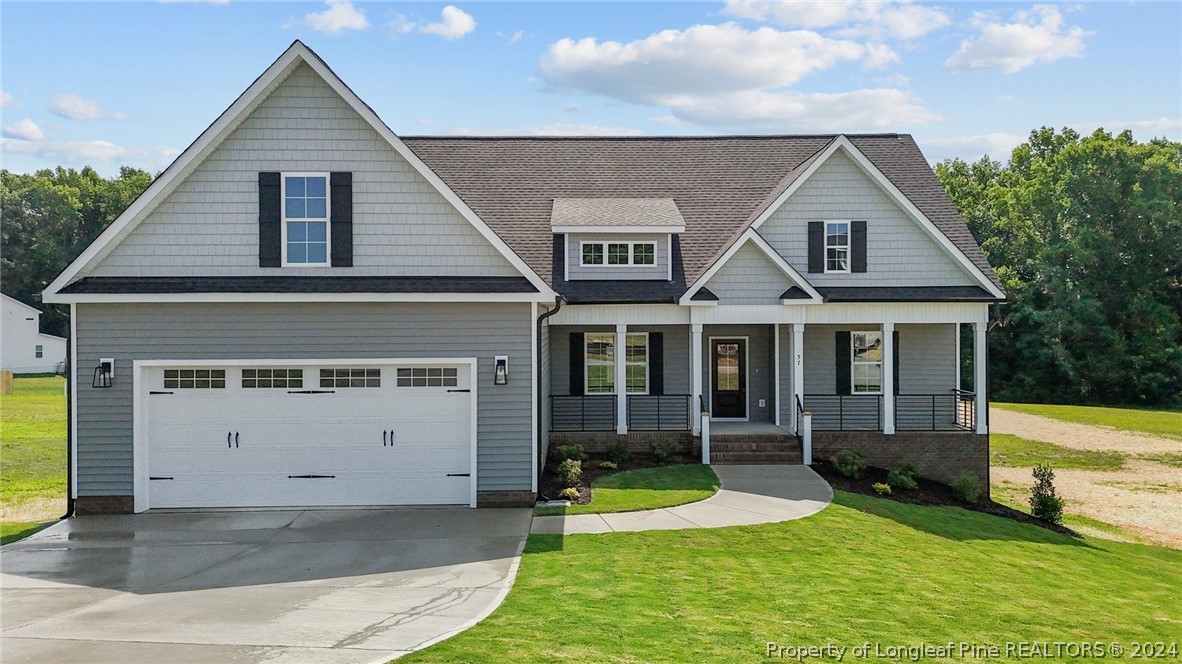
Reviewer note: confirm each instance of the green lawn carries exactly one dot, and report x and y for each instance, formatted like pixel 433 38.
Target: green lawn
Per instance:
pixel 863 569
pixel 33 439
pixel 1009 450
pixel 1156 422
pixel 645 489
pixel 11 532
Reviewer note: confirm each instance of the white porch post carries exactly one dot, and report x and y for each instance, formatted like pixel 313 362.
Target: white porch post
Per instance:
pixel 888 378
pixel 696 374
pixel 797 367
pixel 980 379
pixel 621 379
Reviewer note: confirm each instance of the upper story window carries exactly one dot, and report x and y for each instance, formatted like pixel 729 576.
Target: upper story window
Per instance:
pixel 866 362
pixel 837 246
pixel 305 218
pixel 619 253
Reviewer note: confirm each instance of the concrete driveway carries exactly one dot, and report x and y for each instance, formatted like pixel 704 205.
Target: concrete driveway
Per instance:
pixel 274 586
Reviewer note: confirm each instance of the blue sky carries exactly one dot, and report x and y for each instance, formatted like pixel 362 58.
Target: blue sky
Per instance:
pixel 107 84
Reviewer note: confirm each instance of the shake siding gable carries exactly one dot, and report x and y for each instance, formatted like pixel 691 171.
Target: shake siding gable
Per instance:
pixel 749 277
pixel 209 224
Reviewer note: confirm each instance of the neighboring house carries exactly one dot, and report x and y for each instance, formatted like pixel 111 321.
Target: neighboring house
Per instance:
pixel 305 309
pixel 24 348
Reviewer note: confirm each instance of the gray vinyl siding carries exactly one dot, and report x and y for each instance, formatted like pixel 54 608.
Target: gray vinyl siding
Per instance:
pixel 898 251
pixel 787 400
pixel 194 331
pixel 574 257
pixel 927 359
pixel 209 224
pixel 677 355
pixel 545 387
pixel 749 277
pixel 820 374
pixel 760 367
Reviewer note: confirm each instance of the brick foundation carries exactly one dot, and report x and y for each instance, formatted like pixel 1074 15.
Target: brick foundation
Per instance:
pixel 939 455
pixel 505 498
pixel 596 442
pixel 91 505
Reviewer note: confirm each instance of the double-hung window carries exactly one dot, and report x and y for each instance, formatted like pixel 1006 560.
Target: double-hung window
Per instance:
pixel 305 218
pixel 837 246
pixel 866 362
pixel 600 363
pixel 619 253
pixel 39 350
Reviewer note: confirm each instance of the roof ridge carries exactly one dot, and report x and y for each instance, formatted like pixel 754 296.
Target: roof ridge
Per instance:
pixel 709 137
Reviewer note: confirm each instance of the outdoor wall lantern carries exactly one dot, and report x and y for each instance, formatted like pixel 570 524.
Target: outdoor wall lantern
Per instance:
pixel 104 372
pixel 501 370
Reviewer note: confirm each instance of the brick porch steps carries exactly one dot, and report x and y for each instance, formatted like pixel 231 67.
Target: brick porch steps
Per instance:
pixel 755 449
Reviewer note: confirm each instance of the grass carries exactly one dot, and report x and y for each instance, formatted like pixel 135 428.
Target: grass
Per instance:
pixel 864 569
pixel 33 442
pixel 1016 452
pixel 645 489
pixel 1172 459
pixel 1165 423
pixel 11 532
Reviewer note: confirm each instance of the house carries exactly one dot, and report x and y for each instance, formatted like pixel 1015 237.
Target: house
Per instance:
pixel 25 350
pixel 306 309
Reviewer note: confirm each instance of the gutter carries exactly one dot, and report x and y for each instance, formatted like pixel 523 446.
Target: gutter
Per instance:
pixel 70 377
pixel 558 302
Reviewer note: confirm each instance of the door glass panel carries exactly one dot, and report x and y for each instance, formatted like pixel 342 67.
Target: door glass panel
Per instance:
pixel 728 367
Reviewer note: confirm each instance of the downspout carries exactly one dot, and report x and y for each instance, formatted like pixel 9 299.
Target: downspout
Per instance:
pixel 69 421
pixel 538 377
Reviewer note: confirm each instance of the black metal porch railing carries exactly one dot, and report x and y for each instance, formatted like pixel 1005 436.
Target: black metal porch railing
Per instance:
pixel 665 412
pixel 966 409
pixel 584 412
pixel 953 411
pixel 799 419
pixel 845 412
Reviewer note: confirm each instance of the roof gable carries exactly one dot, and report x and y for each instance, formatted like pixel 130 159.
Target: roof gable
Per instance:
pixel 752 272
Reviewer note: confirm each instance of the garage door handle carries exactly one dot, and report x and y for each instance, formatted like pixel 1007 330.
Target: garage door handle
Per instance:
pixel 311 391
pixel 228 443
pixel 161 478
pixel 383 437
pixel 235 439
pixel 158 392
pixel 311 477
pixel 459 474
pixel 459 390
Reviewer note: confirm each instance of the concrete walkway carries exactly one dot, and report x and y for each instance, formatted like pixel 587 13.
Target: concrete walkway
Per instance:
pixel 749 495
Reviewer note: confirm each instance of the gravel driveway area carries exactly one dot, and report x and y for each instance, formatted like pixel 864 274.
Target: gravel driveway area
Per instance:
pixel 1078 436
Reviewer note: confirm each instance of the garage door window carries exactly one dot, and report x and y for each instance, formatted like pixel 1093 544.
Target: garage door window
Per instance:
pixel 350 378
pixel 427 377
pixel 261 378
pixel 184 379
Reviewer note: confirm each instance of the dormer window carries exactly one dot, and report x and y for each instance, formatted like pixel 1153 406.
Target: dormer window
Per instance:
pixel 619 253
pixel 305 219
pixel 837 247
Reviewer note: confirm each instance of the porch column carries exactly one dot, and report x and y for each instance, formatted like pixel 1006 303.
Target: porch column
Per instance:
pixel 696 374
pixel 797 368
pixel 621 379
pixel 980 379
pixel 888 378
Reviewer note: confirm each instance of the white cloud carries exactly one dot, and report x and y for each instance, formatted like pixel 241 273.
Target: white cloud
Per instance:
pixel 971 148
pixel 1009 99
pixel 1033 36
pixel 858 110
pixel 666 120
pixel 516 36
pixel 74 107
pixel 878 20
pixel 1156 127
pixel 453 24
pixel 25 130
pixel 6 100
pixel 880 56
pixel 553 129
pixel 341 15
pixel 571 108
pixel 83 153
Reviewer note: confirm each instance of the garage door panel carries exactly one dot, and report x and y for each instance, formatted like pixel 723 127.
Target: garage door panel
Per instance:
pixel 275 447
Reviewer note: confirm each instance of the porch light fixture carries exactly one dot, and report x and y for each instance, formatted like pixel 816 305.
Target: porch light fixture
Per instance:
pixel 501 370
pixel 104 373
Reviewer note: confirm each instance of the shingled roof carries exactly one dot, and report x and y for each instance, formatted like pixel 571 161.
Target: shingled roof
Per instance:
pixel 720 184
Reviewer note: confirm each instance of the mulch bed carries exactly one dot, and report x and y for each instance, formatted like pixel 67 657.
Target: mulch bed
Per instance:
pixel 550 486
pixel 928 493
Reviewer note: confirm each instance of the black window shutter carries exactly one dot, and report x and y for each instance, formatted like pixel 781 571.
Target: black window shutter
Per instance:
pixel 576 363
pixel 857 246
pixel 895 359
pixel 656 363
pixel 816 246
pixel 341 223
pixel 270 220
pixel 842 367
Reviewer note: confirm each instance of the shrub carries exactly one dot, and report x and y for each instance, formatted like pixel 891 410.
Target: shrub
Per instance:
pixel 903 477
pixel 1044 504
pixel 570 472
pixel 609 465
pixel 849 463
pixel 967 487
pixel 569 493
pixel 663 449
pixel 568 451
pixel 617 452
pixel 881 488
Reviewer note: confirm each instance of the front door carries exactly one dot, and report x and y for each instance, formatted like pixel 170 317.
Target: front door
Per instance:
pixel 728 361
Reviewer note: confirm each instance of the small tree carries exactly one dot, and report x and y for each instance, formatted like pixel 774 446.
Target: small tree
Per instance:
pixel 1044 504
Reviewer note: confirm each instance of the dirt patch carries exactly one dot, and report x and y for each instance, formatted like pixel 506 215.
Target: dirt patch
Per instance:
pixel 1078 436
pixel 550 485
pixel 35 509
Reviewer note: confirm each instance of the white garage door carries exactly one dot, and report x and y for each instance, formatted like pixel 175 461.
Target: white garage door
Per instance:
pixel 275 435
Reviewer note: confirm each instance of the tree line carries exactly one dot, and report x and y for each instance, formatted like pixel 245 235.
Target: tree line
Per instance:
pixel 1084 232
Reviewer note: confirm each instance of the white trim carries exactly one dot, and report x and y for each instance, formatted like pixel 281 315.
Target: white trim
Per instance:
pixel 746 375
pixel 618 229
pixel 888 378
pixel 776 363
pixel 139 425
pixel 867 166
pixel 980 375
pixel 797 368
pixel 849 254
pixel 621 380
pixel 229 120
pixel 283 220
pixel 17 302
pixel 669 257
pixel 566 258
pixel 298 297
pixel 631 254
pixel 696 368
pixel 536 365
pixel 956 339
pixel 73 369
pixel 750 235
